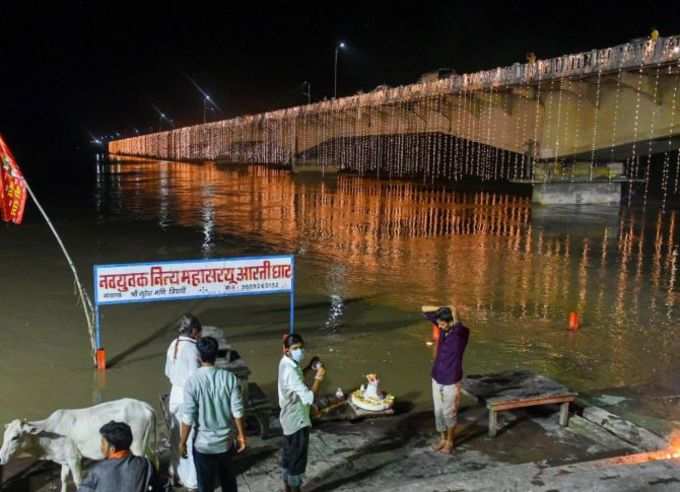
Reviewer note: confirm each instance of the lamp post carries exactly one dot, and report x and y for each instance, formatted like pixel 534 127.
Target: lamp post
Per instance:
pixel 162 116
pixel 340 45
pixel 308 92
pixel 206 101
pixel 209 103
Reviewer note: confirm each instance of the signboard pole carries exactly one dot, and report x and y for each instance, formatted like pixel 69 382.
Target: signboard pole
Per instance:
pixel 97 330
pixel 101 353
pixel 291 328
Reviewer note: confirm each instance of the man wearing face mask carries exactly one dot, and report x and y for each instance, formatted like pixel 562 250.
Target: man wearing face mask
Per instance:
pixel 295 400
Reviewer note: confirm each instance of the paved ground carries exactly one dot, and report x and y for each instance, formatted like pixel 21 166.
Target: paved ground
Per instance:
pixel 531 453
pixel 656 476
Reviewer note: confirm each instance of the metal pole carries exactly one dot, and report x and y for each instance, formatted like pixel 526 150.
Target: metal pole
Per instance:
pixel 84 300
pixel 205 103
pixel 335 76
pixel 291 328
pixel 309 91
pixel 98 332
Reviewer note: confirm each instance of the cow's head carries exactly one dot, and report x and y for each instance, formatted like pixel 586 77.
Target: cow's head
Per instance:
pixel 16 433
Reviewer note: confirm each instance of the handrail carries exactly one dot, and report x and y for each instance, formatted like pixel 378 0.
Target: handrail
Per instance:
pixel 632 55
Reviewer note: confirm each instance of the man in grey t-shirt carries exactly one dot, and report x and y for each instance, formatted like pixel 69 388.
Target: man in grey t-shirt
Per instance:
pixel 214 408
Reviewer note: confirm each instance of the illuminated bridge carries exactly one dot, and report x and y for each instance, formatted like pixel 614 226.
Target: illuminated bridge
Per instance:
pixel 575 127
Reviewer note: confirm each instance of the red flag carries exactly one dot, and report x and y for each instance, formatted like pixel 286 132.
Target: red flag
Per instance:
pixel 12 187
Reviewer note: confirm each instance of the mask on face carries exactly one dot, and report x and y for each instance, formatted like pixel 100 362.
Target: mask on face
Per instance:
pixel 297 355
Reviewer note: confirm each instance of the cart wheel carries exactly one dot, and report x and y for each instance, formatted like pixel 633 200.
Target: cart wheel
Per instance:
pixel 263 423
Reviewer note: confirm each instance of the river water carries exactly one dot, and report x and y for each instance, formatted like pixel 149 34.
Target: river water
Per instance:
pixel 369 254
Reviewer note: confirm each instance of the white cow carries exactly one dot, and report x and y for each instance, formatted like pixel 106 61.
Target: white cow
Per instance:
pixel 67 436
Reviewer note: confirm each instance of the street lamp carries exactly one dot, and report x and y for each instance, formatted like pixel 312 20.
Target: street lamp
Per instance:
pixel 162 116
pixel 340 45
pixel 206 101
pixel 308 91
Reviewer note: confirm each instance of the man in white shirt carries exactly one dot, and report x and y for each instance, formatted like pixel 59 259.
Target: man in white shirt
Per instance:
pixel 295 400
pixel 181 362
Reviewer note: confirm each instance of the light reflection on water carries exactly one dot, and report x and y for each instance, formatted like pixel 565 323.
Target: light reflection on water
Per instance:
pixel 517 270
pixel 378 249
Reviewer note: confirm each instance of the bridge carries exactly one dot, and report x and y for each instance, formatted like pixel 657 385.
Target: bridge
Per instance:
pixel 574 127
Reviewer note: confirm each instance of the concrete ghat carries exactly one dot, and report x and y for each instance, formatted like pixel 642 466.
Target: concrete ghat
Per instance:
pixel 592 193
pixel 531 453
pixel 657 476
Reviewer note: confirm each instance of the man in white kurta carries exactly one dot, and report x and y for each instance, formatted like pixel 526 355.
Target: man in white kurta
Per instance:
pixel 295 400
pixel 181 362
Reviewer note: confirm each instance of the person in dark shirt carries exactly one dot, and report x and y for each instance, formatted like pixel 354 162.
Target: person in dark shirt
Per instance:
pixel 120 470
pixel 447 372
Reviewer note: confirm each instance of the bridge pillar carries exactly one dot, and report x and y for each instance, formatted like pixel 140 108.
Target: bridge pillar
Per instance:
pixel 586 193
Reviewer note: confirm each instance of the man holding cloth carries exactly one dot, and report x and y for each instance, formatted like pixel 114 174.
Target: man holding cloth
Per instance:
pixel 447 372
pixel 213 407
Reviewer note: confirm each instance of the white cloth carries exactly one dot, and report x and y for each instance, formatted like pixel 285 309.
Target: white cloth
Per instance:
pixel 182 468
pixel 181 362
pixel 446 399
pixel 295 398
pixel 180 365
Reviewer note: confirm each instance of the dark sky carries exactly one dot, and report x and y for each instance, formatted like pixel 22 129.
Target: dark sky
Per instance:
pixel 100 66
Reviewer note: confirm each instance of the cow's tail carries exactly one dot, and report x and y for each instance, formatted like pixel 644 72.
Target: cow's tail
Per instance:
pixel 152 445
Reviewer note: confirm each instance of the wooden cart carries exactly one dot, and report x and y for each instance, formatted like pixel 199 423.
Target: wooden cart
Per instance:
pixel 257 405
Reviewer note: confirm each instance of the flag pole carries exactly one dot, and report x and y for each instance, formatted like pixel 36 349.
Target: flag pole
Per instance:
pixel 84 299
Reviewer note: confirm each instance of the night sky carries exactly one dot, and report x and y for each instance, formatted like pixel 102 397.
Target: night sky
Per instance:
pixel 100 66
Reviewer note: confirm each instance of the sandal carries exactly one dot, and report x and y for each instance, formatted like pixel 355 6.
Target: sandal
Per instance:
pixel 438 446
pixel 446 449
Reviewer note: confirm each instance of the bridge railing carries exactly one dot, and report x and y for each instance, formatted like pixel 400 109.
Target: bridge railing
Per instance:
pixel 635 54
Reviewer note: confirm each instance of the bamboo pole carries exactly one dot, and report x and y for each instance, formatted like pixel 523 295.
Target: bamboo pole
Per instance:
pixel 84 299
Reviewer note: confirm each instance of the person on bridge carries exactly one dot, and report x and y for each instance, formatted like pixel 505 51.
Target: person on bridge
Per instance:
pixel 295 400
pixel 447 372
pixel 181 362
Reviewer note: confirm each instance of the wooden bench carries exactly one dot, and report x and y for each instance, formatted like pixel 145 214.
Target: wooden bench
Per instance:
pixel 517 389
pixel 496 405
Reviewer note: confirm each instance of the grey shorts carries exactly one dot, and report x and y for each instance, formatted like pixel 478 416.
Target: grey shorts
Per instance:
pixel 446 399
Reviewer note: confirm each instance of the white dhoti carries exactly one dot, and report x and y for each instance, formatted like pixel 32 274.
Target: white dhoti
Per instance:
pixel 446 399
pixel 183 468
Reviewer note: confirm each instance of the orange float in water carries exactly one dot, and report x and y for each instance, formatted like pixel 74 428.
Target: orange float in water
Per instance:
pixel 574 321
